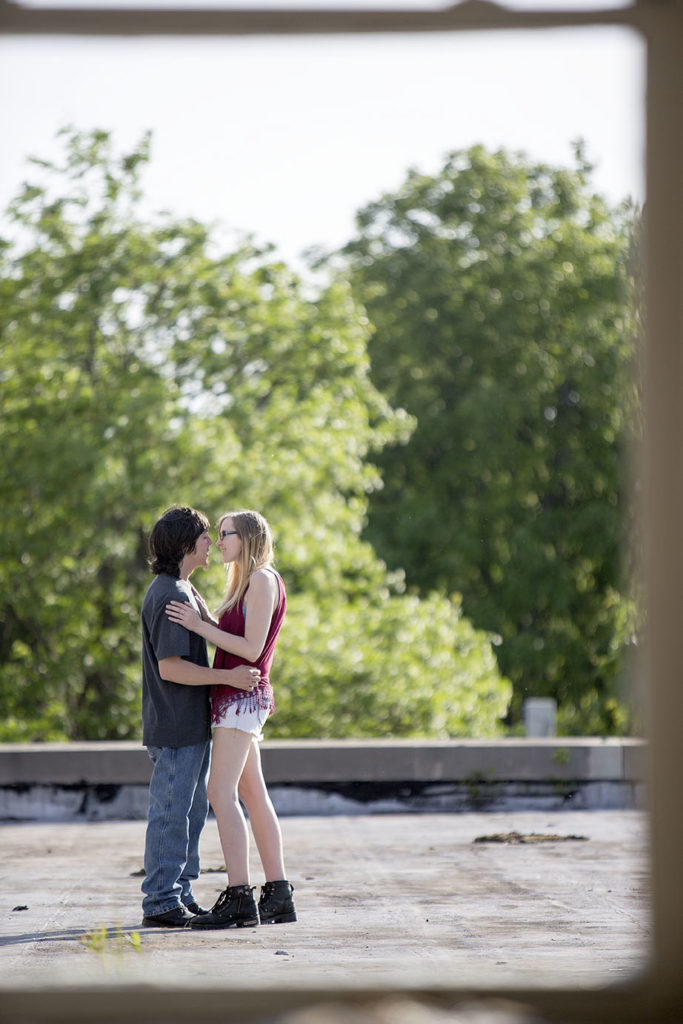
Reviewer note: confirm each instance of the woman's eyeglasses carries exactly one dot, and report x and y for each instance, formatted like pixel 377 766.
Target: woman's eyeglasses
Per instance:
pixel 225 533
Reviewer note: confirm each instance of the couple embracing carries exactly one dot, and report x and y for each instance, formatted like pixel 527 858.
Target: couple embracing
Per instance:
pixel 182 697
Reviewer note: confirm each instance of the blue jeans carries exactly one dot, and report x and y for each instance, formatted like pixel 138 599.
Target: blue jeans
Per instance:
pixel 178 809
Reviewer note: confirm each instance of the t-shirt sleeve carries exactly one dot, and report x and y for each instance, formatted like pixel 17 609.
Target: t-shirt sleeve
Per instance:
pixel 168 639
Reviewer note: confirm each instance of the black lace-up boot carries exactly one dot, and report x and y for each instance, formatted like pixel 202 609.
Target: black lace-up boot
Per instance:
pixel 276 905
pixel 234 908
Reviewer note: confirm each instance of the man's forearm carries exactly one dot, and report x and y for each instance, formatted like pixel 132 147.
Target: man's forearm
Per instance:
pixel 177 670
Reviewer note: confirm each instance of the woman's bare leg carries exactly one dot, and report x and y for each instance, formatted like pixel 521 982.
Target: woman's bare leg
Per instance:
pixel 229 754
pixel 262 817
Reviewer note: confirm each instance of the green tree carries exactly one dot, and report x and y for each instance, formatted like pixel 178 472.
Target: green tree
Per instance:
pixel 386 665
pixel 497 290
pixel 141 365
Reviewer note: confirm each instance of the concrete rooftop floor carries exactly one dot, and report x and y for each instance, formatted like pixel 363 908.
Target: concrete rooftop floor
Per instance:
pixel 381 900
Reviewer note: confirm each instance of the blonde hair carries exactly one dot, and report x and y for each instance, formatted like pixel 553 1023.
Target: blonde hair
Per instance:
pixel 256 553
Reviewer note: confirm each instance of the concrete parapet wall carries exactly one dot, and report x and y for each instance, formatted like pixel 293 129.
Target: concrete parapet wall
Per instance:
pixel 314 761
pixel 109 779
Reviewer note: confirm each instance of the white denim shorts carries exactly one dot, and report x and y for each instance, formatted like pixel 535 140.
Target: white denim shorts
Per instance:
pixel 245 720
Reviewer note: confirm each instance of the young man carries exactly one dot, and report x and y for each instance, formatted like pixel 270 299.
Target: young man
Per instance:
pixel 176 718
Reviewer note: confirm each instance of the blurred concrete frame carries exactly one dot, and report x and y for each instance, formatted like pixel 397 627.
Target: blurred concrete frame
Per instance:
pixel 657 995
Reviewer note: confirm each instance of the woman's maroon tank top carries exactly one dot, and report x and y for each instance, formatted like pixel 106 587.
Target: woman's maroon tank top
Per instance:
pixel 233 621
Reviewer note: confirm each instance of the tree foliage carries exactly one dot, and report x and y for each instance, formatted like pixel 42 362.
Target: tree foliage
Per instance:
pixel 141 365
pixel 498 293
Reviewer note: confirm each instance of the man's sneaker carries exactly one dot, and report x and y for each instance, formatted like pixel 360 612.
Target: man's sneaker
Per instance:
pixel 234 908
pixel 276 905
pixel 178 917
pixel 194 908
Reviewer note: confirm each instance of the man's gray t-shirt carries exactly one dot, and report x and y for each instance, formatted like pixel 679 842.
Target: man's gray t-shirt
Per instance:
pixel 173 714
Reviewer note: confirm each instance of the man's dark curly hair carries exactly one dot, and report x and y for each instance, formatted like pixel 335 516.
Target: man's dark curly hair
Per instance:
pixel 173 536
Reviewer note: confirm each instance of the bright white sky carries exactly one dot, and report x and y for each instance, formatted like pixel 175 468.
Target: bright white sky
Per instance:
pixel 287 138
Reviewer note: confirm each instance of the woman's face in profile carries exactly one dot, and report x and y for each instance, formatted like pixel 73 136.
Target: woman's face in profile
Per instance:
pixel 229 543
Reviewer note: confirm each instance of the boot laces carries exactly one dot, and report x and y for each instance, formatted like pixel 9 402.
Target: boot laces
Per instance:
pixel 221 901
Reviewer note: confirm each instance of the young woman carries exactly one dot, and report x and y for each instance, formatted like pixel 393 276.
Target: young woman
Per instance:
pixel 249 621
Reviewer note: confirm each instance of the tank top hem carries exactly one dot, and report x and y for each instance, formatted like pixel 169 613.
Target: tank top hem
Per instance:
pixel 223 697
